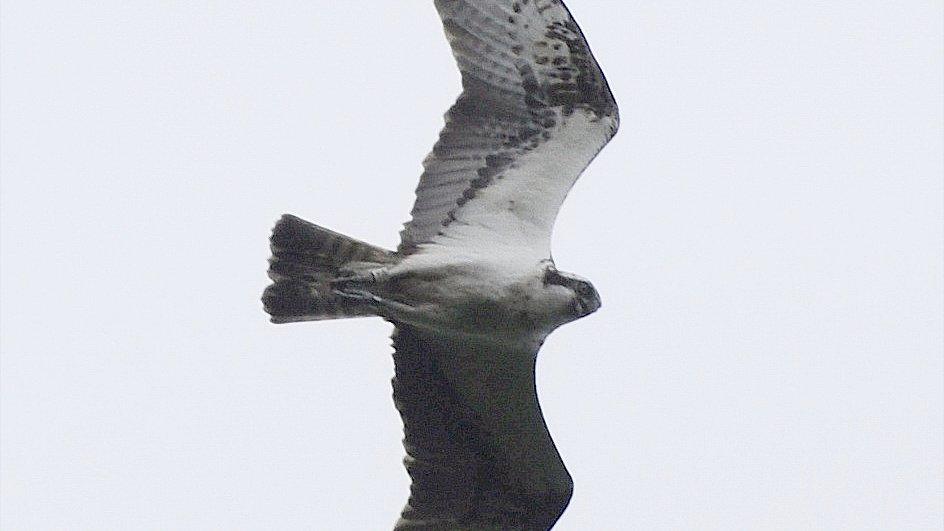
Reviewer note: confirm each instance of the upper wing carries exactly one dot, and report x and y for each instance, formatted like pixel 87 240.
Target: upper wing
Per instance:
pixel 478 450
pixel 534 111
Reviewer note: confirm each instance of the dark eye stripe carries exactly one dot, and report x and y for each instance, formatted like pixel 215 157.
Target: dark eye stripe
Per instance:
pixel 553 277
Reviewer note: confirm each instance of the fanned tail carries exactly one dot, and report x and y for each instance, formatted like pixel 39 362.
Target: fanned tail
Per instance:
pixel 305 260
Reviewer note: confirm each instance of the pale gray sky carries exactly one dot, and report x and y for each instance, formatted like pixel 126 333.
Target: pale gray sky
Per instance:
pixel 765 231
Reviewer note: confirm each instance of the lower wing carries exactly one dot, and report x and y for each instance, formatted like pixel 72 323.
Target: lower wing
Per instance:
pixel 478 450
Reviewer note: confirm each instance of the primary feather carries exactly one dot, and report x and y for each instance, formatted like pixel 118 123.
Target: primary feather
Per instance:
pixel 534 111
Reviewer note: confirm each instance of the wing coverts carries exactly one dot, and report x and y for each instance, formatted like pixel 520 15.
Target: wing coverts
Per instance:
pixel 526 70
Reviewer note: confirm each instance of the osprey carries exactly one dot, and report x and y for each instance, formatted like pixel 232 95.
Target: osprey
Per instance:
pixel 472 290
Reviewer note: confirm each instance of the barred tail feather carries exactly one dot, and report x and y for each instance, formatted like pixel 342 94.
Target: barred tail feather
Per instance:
pixel 291 301
pixel 305 259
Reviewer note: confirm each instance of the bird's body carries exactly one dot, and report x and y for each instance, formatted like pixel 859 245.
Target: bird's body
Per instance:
pixel 472 290
pixel 468 296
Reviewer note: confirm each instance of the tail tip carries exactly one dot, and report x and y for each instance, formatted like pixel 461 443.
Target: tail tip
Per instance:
pixel 287 300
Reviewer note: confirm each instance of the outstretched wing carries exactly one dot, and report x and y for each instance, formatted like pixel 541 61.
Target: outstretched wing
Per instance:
pixel 478 451
pixel 534 111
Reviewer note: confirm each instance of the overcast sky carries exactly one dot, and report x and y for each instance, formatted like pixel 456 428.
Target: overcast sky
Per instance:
pixel 765 231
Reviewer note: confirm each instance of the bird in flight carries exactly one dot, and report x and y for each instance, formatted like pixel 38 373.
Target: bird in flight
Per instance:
pixel 472 290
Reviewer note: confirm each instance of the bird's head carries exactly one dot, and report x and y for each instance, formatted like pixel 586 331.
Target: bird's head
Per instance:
pixel 585 299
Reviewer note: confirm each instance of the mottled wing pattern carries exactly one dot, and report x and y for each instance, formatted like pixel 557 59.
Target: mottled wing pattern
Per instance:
pixel 478 451
pixel 534 111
